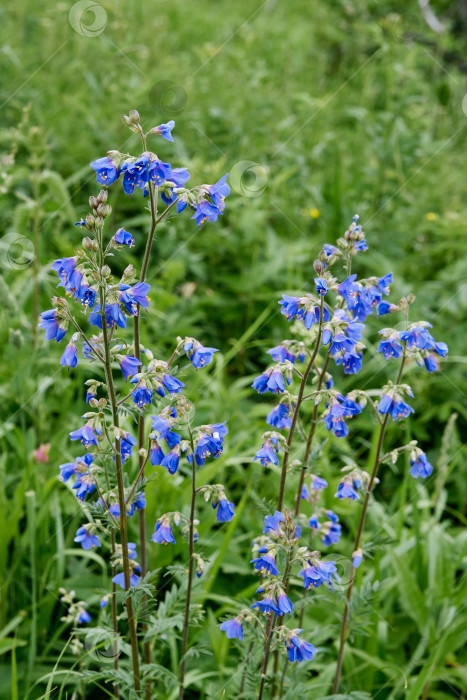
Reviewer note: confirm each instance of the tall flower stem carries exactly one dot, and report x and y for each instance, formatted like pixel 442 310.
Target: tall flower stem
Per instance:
pixel 311 435
pixel 114 613
pixel 186 624
pixel 285 462
pixel 153 194
pixel 35 260
pixel 301 391
pixel 361 524
pixel 119 475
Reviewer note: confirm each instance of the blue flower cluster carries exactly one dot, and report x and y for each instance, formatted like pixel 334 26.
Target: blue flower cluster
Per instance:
pixel 147 170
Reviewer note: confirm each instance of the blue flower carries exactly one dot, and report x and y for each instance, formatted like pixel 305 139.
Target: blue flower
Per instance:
pixel 136 174
pixel 86 434
pixel 267 454
pixel 357 558
pixel 441 349
pixel 279 417
pixel 163 532
pixel 330 533
pixel 198 355
pixel 431 363
pixel 420 466
pixel 64 267
pixel 352 362
pixel 142 396
pixel 159 172
pixel 398 409
pixel 122 237
pixel 156 454
pixel 171 461
pixel 334 421
pixel 283 603
pixel 272 524
pixel 113 316
pixel 106 172
pixel 164 130
pixel 84 616
pixel 178 176
pixel 318 484
pixel 86 539
pixel 318 574
pixel 321 286
pixel 341 344
pixel 225 510
pixel 126 446
pixel 131 297
pixel 172 385
pixel 83 485
pixel 130 366
pixel 280 354
pixel 313 522
pixel 70 356
pixel 346 490
pixel 162 426
pixel 267 606
pixel 233 628
pixel 87 296
pixel 271 380
pixel 267 564
pixel 390 348
pixel 290 306
pixel 298 650
pixel 119 579
pixel 219 192
pixel 51 325
pixel 417 337
pixel 205 212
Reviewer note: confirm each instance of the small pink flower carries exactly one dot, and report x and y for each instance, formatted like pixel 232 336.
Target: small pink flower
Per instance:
pixel 42 453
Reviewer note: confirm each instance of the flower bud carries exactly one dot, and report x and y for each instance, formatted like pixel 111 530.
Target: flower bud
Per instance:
pixel 102 196
pixel 93 202
pixel 106 271
pixel 87 243
pixel 90 220
pixel 410 298
pixel 103 210
pixel 134 116
pixel 318 266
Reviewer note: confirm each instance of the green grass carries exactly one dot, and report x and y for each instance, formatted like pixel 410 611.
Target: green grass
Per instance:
pixel 343 111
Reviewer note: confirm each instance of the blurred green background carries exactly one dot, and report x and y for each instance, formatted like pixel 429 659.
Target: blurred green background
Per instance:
pixel 319 111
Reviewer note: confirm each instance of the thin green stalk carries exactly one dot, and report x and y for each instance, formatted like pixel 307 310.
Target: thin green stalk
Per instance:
pixel 35 260
pixel 311 435
pixel 377 462
pixel 285 462
pixel 31 519
pixel 114 613
pixel 153 195
pixel 119 474
pixel 186 624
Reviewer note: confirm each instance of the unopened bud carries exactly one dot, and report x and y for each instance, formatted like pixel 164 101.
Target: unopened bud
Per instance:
pixel 318 266
pixel 90 220
pixel 106 270
pixel 134 116
pixel 102 196
pixel 410 298
pixel 93 202
pixel 87 243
